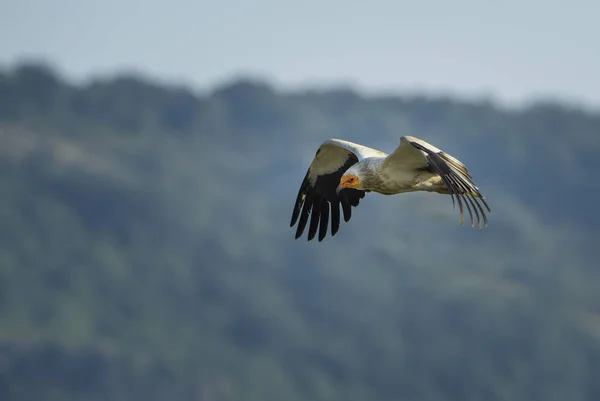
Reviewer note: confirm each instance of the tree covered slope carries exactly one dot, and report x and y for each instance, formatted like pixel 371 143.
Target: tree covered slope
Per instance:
pixel 146 253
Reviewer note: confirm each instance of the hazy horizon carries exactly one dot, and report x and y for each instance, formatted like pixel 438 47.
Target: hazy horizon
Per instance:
pixel 509 51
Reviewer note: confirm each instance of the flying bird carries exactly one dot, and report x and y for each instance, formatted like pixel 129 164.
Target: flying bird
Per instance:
pixel 342 172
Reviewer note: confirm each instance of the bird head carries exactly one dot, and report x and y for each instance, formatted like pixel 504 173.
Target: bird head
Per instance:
pixel 350 179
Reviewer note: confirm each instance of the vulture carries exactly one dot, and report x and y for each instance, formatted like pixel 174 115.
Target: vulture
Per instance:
pixel 342 172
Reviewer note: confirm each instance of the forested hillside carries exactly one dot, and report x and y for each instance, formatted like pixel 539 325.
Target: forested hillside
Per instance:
pixel 146 253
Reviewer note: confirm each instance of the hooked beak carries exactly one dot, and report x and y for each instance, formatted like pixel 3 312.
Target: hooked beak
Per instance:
pixel 347 181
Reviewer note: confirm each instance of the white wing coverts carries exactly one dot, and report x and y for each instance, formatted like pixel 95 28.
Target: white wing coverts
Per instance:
pixel 317 196
pixel 414 152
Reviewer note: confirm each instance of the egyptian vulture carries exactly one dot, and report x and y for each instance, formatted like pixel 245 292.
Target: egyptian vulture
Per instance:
pixel 342 172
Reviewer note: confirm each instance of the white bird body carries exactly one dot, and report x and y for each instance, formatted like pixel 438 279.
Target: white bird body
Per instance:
pixel 342 172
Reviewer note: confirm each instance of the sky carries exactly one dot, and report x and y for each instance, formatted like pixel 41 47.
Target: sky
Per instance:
pixel 512 51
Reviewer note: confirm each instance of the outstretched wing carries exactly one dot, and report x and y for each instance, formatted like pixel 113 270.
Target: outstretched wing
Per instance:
pixel 317 197
pixel 418 154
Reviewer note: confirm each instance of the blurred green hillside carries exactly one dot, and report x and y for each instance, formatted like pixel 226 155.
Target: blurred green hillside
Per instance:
pixel 146 253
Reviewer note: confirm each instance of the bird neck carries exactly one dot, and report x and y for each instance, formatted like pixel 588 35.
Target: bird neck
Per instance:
pixel 370 173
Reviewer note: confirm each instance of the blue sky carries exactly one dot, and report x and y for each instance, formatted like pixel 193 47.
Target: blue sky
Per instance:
pixel 509 49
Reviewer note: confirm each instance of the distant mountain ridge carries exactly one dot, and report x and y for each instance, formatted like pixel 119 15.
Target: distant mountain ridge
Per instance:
pixel 145 249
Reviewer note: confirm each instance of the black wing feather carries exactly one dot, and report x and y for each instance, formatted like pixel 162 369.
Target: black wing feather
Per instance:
pixel 346 209
pixel 324 219
pixel 335 218
pixel 321 199
pixel 459 184
pixel 307 199
pixel 314 217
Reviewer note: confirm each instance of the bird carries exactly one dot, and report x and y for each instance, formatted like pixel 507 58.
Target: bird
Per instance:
pixel 342 173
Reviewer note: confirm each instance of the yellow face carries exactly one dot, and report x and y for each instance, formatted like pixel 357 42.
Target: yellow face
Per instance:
pixel 349 181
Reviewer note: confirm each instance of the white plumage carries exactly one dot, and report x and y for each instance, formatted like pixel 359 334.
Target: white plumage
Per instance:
pixel 342 172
